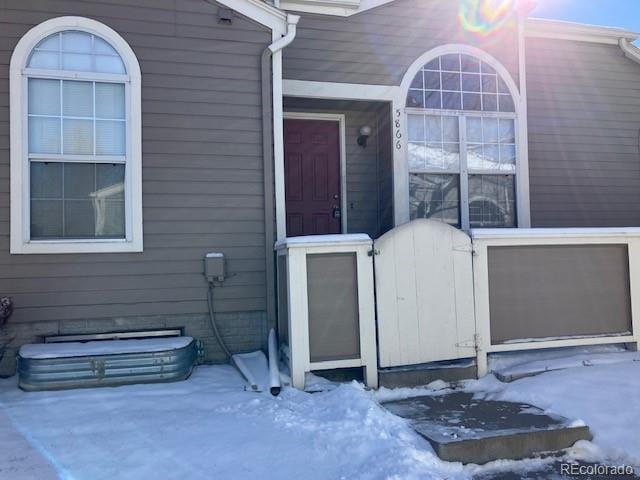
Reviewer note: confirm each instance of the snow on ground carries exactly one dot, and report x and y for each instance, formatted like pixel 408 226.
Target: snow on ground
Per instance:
pixel 209 427
pixel 519 364
pixel 606 397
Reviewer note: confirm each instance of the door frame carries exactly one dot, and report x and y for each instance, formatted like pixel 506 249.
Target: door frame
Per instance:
pixel 341 119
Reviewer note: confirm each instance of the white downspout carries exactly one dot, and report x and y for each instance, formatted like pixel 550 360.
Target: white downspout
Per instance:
pixel 524 209
pixel 273 154
pixel 278 134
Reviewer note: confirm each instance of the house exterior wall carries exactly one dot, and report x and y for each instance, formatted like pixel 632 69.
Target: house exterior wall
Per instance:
pixel 584 134
pixel 376 47
pixel 202 184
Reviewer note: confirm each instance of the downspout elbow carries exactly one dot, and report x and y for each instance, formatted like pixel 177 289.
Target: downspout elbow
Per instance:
pixel 292 25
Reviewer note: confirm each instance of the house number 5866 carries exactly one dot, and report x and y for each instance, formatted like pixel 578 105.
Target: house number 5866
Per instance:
pixel 398 129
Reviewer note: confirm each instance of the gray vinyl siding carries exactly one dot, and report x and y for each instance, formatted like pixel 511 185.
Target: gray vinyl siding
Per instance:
pixel 364 213
pixel 584 134
pixel 378 45
pixel 202 180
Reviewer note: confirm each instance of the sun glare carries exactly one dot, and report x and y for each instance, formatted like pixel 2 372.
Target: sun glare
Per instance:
pixel 482 18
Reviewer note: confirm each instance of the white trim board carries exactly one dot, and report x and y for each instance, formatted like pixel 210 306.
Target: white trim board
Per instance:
pixel 19 171
pixel 339 91
pixel 338 8
pixel 341 119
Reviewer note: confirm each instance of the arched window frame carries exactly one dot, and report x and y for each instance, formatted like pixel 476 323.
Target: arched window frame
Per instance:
pixel 19 171
pixel 522 167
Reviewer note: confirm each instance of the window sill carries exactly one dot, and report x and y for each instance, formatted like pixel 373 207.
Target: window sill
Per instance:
pixel 77 246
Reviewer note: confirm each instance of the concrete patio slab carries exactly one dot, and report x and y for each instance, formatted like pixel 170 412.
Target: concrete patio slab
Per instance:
pixel 19 460
pixel 461 428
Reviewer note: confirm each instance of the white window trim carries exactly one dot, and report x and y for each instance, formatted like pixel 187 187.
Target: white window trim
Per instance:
pixel 20 204
pixel 401 168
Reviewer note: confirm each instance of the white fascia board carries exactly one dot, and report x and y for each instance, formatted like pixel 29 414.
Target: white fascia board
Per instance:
pixel 337 8
pixel 543 28
pixel 261 12
pixel 342 91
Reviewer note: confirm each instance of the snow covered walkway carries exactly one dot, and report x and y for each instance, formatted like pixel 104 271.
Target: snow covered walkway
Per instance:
pixel 208 427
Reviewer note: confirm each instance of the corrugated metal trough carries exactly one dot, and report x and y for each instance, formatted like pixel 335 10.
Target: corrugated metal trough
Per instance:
pixel 57 366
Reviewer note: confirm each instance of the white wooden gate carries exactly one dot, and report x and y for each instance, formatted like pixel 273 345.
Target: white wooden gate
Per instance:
pixel 424 294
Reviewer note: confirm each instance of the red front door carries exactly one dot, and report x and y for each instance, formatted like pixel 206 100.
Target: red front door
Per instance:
pixel 312 177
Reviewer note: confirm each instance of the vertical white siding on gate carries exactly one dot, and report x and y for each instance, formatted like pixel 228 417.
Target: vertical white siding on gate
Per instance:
pixel 424 288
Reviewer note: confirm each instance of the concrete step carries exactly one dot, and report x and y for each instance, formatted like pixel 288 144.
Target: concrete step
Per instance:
pixel 463 429
pixel 419 375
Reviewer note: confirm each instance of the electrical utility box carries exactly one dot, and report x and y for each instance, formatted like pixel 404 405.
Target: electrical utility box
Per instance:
pixel 214 267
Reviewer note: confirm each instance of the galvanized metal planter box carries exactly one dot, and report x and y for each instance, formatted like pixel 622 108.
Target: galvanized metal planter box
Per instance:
pixel 108 370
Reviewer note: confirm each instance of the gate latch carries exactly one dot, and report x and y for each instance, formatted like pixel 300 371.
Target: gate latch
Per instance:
pixel 464 248
pixel 467 344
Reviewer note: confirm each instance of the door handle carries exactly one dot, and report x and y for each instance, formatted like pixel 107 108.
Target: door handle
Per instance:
pixel 336 213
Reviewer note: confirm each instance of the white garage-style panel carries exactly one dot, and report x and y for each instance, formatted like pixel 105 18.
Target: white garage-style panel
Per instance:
pixel 424 291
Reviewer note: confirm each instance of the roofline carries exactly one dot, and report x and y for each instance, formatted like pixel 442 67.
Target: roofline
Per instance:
pixel 261 12
pixel 545 28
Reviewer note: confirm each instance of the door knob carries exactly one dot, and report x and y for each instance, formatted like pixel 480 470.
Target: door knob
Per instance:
pixel 336 213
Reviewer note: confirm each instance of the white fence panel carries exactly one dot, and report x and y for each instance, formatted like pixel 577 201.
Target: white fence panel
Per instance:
pixel 483 240
pixel 424 293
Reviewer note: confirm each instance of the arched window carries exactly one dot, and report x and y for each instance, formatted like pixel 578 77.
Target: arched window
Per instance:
pixel 462 143
pixel 76 157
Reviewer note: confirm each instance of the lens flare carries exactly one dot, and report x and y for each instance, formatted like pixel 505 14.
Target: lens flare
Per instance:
pixel 484 18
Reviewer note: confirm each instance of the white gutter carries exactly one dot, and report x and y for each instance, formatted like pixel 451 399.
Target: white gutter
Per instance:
pixel 630 51
pixel 524 209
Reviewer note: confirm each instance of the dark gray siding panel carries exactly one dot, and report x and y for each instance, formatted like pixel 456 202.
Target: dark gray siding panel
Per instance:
pixel 584 133
pixel 551 291
pixel 202 187
pixel 378 45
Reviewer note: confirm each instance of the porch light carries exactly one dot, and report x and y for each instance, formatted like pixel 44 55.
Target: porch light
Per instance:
pixel 365 133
